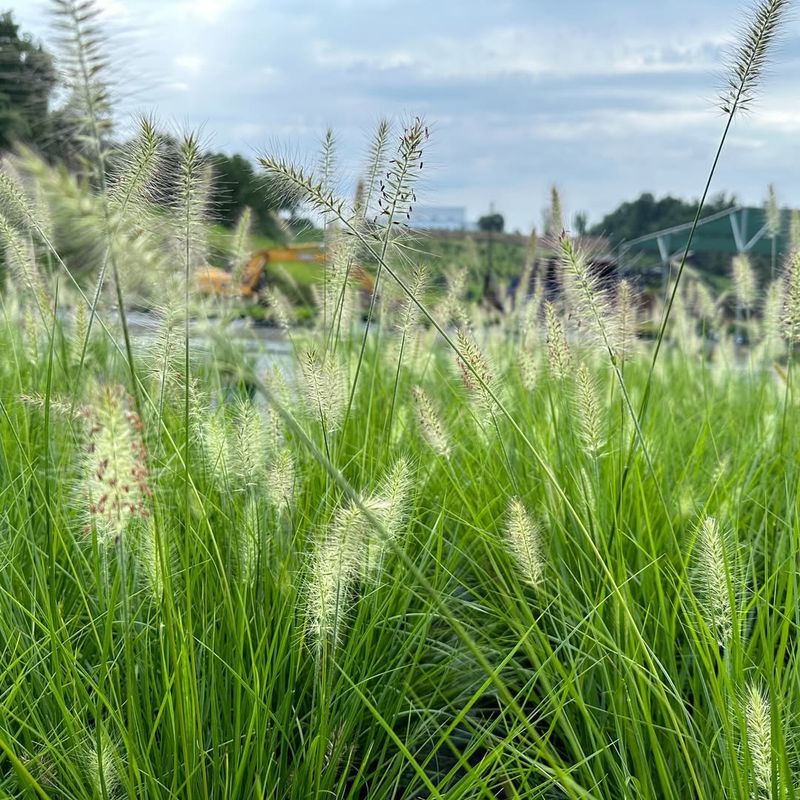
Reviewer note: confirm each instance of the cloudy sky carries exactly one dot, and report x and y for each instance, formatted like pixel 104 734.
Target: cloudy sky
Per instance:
pixel 605 99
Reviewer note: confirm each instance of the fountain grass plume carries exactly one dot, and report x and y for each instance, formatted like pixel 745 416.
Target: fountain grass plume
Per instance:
pixel 190 206
pixel 15 205
pixel 791 302
pixel 794 231
pixel 377 156
pixel 327 160
pixel 627 319
pixel 523 538
pixel 333 568
pixel 430 424
pixel 135 185
pixel 20 257
pixel 758 724
pixel 114 485
pixel 744 281
pixel 588 300
pixel 750 57
pixel 559 358
pixel 409 315
pixel 279 309
pixel 85 68
pixel 241 244
pixel 715 578
pixel 587 410
pixel 281 478
pixel 473 363
pixel 324 384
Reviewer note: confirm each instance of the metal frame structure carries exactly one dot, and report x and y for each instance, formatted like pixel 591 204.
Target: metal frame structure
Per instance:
pixel 738 217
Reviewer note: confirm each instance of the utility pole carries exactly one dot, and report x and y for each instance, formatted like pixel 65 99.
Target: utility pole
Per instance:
pixel 489 244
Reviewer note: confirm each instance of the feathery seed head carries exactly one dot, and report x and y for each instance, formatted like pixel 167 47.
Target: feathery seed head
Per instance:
pixel 102 762
pixel 558 354
pixel 429 423
pixel 281 310
pixel 744 281
pixel 627 319
pixel 390 506
pixel 587 408
pixel 134 185
pixel 247 450
pixel 324 382
pixel 409 312
pixel 148 558
pixel 14 203
pixel 334 566
pixel 21 261
pixel 714 578
pixel 477 376
pixel 375 167
pixel 588 302
pixel 758 723
pixel 555 215
pixel 114 487
pixel 771 343
pixel 524 541
pixel 749 59
pixel 195 178
pixel 281 478
pixel 791 306
pixel 396 196
pixel 395 490
pixel 794 231
pixel 772 211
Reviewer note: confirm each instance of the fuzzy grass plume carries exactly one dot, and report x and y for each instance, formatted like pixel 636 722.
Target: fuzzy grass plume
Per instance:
pixel 714 577
pixel 749 59
pixel 524 541
pixel 114 485
pixel 430 424
pixel 758 724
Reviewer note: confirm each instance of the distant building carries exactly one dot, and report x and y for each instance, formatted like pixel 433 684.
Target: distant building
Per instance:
pixel 439 218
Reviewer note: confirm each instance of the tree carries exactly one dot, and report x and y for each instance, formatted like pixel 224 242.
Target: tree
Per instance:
pixel 27 80
pixel 236 187
pixel 491 223
pixel 648 215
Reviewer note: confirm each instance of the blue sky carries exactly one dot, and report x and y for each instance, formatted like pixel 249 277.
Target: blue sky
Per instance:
pixel 605 99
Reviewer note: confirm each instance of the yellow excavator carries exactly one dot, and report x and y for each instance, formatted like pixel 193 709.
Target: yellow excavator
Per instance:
pixel 216 282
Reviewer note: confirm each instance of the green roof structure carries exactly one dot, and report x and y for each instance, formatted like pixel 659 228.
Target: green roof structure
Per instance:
pixel 735 230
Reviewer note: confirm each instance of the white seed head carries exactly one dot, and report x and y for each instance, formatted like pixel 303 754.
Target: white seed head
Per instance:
pixel 559 357
pixel 587 408
pixel 429 423
pixel 324 383
pixel 713 578
pixel 114 487
pixel 477 376
pixel 744 281
pixel 524 541
pixel 758 721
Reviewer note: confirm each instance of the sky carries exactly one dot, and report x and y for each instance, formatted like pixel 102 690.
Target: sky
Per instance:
pixel 606 100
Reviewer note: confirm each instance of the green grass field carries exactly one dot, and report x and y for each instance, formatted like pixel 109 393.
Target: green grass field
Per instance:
pixel 599 643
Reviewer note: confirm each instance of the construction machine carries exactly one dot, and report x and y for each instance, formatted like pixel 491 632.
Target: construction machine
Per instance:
pixel 216 282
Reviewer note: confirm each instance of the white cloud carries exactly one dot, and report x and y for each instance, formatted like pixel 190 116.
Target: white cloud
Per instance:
pixel 189 64
pixel 209 10
pixel 527 51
